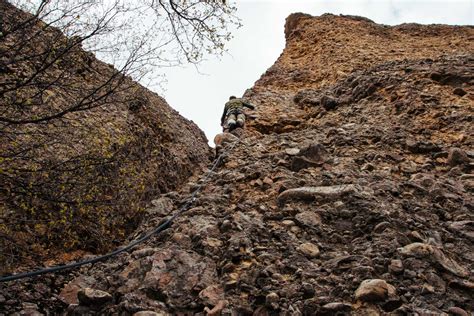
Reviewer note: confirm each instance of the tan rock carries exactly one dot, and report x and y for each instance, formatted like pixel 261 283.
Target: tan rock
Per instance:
pixel 288 223
pixel 396 266
pixel 292 151
pixel 272 300
pixel 150 313
pixel 414 235
pixel 224 138
pixel 295 229
pixel 140 253
pixel 268 181
pixel 212 242
pixel 309 218
pixel 311 193
pixel 374 290
pixel 212 294
pixel 310 250
pixel 161 207
pixel 335 307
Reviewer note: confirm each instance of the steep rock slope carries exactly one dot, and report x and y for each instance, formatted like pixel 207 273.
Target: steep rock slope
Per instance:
pixel 350 191
pixel 81 180
pixel 320 52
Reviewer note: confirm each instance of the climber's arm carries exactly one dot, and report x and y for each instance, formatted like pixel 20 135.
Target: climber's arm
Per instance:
pixel 248 105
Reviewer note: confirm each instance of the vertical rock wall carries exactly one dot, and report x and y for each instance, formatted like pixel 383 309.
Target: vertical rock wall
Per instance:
pixel 350 191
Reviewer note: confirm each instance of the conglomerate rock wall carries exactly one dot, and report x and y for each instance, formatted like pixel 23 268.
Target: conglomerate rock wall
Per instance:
pixel 78 182
pixel 349 192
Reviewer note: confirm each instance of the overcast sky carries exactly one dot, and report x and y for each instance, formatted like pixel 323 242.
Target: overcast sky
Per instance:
pixel 200 97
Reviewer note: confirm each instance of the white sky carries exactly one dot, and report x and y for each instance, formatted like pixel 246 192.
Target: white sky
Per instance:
pixel 200 97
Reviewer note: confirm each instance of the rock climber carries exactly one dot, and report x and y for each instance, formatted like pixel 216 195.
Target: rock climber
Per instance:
pixel 233 115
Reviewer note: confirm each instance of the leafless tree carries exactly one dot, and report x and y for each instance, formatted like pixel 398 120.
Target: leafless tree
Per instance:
pixel 135 36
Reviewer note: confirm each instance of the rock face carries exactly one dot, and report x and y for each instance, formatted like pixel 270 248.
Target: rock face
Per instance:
pixel 81 180
pixel 374 218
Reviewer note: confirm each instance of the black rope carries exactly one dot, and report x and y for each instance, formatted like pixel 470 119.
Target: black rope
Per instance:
pixel 157 230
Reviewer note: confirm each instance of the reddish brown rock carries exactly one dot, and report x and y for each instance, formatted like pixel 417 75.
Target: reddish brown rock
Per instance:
pixel 69 293
pixel 93 297
pixel 212 295
pixel 386 124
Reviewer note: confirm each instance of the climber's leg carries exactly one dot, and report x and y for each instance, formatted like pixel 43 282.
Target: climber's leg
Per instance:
pixel 231 122
pixel 240 120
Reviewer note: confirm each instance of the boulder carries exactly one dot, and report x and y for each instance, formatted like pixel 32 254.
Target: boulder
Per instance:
pixel 93 297
pixel 310 250
pixel 224 138
pixel 272 300
pixel 311 156
pixel 69 293
pixel 374 290
pixel 309 218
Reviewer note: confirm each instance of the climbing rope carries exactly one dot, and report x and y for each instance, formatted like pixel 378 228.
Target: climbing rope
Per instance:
pixel 132 244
